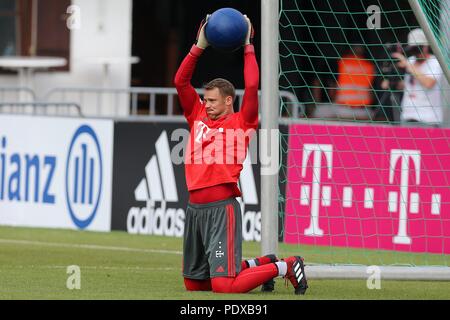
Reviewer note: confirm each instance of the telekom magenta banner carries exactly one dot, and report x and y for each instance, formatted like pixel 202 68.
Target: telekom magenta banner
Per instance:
pixel 369 187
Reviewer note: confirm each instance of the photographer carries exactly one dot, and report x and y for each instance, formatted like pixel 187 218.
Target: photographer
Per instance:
pixel 390 86
pixel 421 102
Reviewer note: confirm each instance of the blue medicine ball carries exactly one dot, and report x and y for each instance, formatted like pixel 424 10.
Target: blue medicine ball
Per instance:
pixel 226 29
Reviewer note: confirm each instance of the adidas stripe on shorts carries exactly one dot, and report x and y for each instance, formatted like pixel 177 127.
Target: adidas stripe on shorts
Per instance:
pixel 212 240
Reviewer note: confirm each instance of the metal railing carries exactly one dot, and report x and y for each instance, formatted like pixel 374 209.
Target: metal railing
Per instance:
pixel 113 96
pixel 17 93
pixel 41 108
pixel 135 101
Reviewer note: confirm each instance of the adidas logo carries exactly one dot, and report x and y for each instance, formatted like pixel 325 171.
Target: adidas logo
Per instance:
pixel 298 272
pixel 157 186
pixel 220 269
pixel 152 186
pixel 251 220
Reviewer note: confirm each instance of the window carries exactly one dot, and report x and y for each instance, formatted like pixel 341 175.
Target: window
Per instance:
pixel 9 44
pixel 34 27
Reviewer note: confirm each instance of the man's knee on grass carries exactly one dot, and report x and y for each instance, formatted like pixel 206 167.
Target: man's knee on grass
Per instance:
pixel 197 285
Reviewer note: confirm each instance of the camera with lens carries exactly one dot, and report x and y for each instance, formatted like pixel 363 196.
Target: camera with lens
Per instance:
pixel 389 68
pixel 413 50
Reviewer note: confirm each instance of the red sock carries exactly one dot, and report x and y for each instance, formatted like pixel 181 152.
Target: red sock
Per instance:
pixel 264 260
pixel 246 280
pixel 261 261
pixel 197 285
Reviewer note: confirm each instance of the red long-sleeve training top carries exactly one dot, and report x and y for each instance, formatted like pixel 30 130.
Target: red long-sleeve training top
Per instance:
pixel 214 156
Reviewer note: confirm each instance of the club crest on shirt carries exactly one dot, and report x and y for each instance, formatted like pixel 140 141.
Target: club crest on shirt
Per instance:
pixel 203 132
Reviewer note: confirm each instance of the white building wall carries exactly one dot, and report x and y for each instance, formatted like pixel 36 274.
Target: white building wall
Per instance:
pixel 105 31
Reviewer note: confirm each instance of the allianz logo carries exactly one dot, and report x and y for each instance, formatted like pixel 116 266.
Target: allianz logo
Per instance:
pixel 35 177
pixel 25 177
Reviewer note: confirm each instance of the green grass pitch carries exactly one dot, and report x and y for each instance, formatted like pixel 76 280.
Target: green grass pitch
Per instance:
pixel 116 265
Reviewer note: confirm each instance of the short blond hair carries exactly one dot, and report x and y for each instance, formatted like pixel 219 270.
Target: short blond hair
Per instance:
pixel 225 87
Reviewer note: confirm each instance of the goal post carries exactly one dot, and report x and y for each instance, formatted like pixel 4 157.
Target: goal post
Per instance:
pixel 360 190
pixel 269 122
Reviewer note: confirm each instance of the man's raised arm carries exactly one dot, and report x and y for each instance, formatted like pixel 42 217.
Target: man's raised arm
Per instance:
pixel 186 92
pixel 249 106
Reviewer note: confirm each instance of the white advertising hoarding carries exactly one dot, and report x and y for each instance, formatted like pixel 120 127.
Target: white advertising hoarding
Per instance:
pixel 56 172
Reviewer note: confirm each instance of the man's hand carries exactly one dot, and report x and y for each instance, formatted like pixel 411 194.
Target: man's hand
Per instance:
pixel 250 32
pixel 425 80
pixel 385 84
pixel 403 62
pixel 201 38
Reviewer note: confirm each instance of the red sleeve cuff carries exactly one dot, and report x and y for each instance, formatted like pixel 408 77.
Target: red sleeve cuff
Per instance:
pixel 249 48
pixel 196 51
